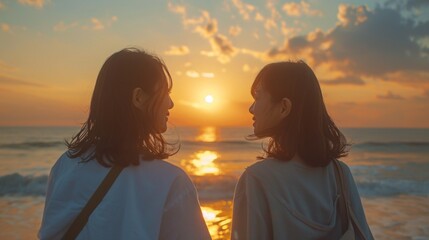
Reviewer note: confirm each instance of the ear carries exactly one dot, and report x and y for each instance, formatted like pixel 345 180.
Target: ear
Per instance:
pixel 285 107
pixel 139 98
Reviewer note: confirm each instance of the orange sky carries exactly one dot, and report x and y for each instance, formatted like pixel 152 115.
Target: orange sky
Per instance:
pixel 372 59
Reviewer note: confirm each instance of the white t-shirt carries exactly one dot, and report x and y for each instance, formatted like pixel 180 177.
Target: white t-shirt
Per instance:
pixel 289 200
pixel 155 200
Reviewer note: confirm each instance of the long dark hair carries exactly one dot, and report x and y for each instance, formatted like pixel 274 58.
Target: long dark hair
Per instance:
pixel 116 132
pixel 308 130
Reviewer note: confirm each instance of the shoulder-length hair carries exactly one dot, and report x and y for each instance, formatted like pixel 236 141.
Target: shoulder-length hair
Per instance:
pixel 308 130
pixel 116 132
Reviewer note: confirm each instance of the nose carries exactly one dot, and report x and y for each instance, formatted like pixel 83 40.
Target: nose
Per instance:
pixel 171 105
pixel 251 108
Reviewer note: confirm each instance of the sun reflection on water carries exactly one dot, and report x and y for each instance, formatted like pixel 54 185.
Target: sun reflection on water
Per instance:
pixel 202 163
pixel 207 134
pixel 218 222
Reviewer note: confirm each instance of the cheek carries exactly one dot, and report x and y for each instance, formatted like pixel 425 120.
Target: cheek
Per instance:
pixel 260 108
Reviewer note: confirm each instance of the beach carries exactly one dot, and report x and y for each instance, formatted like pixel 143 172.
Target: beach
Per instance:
pixel 389 166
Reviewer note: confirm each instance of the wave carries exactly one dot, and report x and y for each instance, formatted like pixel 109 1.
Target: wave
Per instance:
pixel 220 187
pixel 392 187
pixel 18 185
pixel 27 145
pixel 396 146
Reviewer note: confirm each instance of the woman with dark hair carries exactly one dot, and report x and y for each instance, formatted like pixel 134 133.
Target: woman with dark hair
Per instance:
pixel 295 192
pixel 149 198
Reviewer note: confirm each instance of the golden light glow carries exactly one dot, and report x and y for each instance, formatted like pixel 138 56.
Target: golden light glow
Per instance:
pixel 209 214
pixel 207 134
pixel 209 99
pixel 217 222
pixel 202 163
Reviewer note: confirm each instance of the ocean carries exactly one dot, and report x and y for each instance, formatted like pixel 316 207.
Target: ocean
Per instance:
pixel 390 167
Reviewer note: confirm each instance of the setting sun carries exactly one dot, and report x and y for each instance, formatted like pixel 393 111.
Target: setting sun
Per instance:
pixel 209 99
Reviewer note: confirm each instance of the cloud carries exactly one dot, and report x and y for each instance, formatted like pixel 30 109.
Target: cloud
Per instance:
pixel 390 96
pixel 369 50
pixel 16 81
pixel 416 3
pixel 210 28
pixel 409 4
pixel 235 30
pixel 192 74
pixel 223 45
pixel 222 49
pixel 61 26
pixel 33 3
pixel 365 42
pixel 350 80
pixel 348 14
pixel 5 27
pixel 207 27
pixel 298 9
pixel 244 9
pixel 207 75
pixel 288 31
pixel 182 11
pixel 195 74
pixel 97 24
pixel 177 50
pixel 270 24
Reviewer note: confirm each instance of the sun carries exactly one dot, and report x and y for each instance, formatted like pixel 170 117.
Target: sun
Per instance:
pixel 209 99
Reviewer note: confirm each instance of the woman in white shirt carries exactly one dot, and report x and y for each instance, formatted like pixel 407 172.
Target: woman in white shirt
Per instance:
pixel 292 192
pixel 151 198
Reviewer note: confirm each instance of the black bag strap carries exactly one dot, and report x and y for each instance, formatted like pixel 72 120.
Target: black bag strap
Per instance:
pixel 81 220
pixel 344 195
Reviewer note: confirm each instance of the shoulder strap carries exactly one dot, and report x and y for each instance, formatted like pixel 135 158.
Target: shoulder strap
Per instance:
pixel 81 220
pixel 350 215
pixel 342 203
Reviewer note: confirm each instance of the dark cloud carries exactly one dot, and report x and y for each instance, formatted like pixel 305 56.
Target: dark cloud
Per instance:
pixel 224 45
pixel 364 42
pixel 390 96
pixel 416 3
pixel 421 30
pixel 408 4
pixel 379 45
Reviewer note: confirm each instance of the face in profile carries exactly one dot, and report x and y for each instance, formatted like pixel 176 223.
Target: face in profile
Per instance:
pixel 165 105
pixel 160 105
pixel 267 113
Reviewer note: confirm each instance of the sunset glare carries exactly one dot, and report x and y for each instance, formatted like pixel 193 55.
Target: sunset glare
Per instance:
pixel 371 57
pixel 209 99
